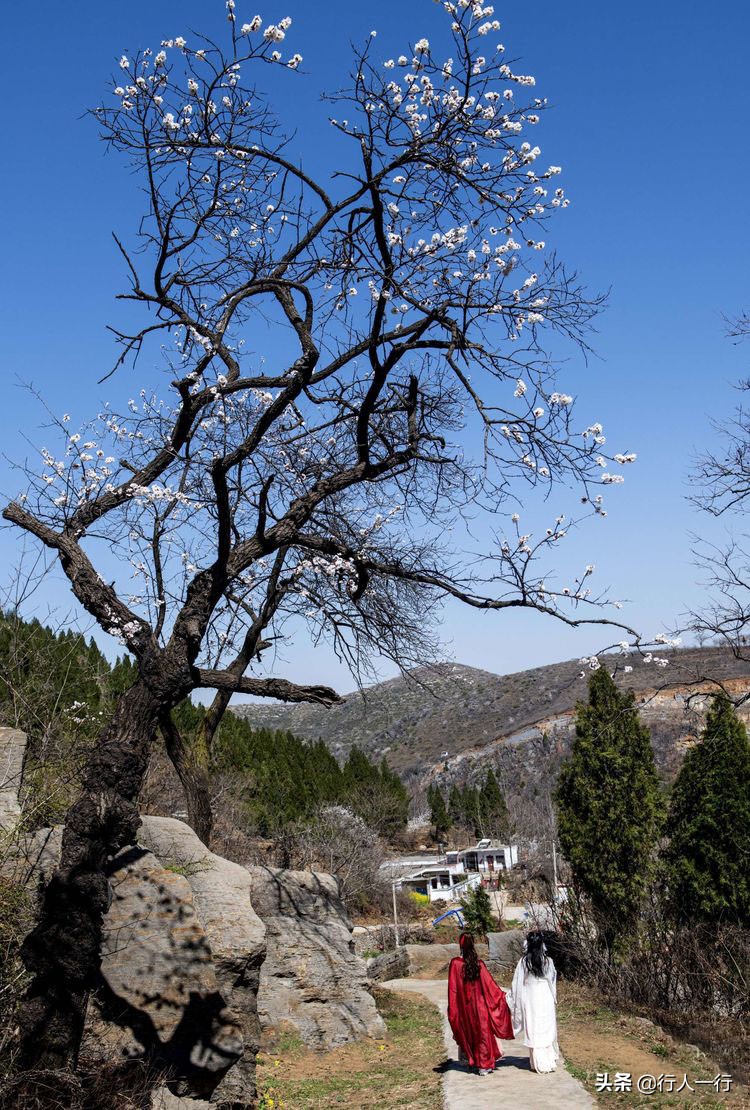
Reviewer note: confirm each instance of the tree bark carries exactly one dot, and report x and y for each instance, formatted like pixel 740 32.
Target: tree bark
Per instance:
pixel 63 950
pixel 192 769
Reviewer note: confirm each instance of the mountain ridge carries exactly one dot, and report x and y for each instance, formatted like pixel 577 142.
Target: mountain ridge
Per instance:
pixel 436 716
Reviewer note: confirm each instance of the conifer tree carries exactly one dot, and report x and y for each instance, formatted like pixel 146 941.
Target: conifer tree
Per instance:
pixel 708 856
pixel 609 807
pixel 394 812
pixel 470 809
pixel 455 808
pixel 477 912
pixel 439 817
pixel 493 810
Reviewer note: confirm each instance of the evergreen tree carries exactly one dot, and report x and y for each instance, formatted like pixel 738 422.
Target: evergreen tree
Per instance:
pixel 455 807
pixel 470 813
pixel 493 810
pixel 708 856
pixel 609 806
pixel 439 818
pixel 395 798
pixel 476 909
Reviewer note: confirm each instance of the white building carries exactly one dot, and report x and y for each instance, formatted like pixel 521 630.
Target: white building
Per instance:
pixel 440 882
pixel 459 871
pixel 487 856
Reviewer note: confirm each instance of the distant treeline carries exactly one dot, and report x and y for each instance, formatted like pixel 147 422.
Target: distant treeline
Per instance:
pixel 481 809
pixel 55 685
pixel 287 779
pixel 59 688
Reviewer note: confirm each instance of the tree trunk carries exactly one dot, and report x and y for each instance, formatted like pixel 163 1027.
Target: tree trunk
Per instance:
pixel 194 777
pixel 63 950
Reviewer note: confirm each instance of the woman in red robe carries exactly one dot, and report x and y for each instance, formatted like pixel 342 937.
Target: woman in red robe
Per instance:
pixel 477 1010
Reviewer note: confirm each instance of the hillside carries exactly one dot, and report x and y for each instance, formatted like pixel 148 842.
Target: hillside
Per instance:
pixel 470 713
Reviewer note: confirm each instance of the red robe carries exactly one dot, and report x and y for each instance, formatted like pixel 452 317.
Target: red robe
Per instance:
pixel 478 1013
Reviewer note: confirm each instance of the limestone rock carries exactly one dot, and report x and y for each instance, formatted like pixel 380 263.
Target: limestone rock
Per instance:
pixel 506 948
pixel 311 980
pixel 235 935
pixel 389 965
pixel 160 997
pixel 181 958
pixel 31 857
pixel 383 937
pixel 163 1099
pixel 424 957
pixel 12 749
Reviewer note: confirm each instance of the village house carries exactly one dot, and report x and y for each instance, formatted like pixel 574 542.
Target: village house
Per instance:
pixel 440 882
pixel 486 856
pixel 460 870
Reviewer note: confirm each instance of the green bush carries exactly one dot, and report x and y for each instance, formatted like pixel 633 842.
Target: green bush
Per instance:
pixel 477 912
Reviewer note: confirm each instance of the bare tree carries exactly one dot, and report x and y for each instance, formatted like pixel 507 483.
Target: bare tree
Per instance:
pixel 314 489
pixel 340 843
pixel 722 480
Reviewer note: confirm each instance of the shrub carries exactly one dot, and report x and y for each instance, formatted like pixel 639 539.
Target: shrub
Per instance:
pixel 477 912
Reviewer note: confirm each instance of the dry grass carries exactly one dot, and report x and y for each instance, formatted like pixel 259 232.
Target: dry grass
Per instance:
pixel 597 1038
pixel 125 1086
pixel 399 1071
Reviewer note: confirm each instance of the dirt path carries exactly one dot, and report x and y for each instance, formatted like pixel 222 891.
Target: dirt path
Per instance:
pixel 512 1084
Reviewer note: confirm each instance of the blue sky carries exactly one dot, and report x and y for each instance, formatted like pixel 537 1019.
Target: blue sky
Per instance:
pixel 650 126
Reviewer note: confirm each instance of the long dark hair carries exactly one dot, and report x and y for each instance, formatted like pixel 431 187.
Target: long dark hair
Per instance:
pixel 535 959
pixel 469 953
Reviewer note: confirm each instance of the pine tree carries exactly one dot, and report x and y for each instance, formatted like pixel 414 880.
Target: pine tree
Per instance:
pixel 470 816
pixel 708 856
pixel 477 912
pixel 439 818
pixel 455 808
pixel 394 808
pixel 493 810
pixel 609 807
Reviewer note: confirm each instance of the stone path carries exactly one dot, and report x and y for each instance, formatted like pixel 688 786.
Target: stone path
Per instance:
pixel 513 1083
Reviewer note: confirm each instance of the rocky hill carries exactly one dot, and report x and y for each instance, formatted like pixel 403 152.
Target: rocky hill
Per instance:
pixel 448 722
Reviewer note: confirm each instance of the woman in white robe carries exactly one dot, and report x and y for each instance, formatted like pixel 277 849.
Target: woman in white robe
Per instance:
pixel 532 1001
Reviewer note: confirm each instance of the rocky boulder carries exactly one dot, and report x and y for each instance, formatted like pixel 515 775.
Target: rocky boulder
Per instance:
pixel 389 965
pixel 12 749
pixel 235 935
pixel 506 948
pixel 160 998
pixel 181 955
pixel 311 980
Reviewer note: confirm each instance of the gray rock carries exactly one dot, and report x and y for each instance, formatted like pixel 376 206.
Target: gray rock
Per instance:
pixel 368 939
pixel 391 965
pixel 312 980
pixel 12 749
pixel 160 998
pixel 221 892
pixel 506 948
pixel 181 957
pixel 31 857
pixel 432 957
pixel 163 1099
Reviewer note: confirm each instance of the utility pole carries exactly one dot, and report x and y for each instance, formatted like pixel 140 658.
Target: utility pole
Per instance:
pixel 395 912
pixel 554 871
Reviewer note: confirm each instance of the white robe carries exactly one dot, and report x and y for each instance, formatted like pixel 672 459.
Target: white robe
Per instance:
pixel 532 1006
